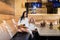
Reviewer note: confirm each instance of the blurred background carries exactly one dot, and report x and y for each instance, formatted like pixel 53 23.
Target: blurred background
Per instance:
pixel 11 11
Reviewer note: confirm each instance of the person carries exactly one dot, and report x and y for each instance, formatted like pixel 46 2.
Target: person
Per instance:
pixel 51 25
pixel 23 26
pixel 29 24
pixel 32 24
pixel 43 24
pixel 24 21
pixel 22 33
pixel 34 29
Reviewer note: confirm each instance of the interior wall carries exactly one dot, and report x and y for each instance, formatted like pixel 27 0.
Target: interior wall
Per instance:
pixel 9 2
pixel 59 11
pixel 7 19
pixel 6 11
pixel 19 7
pixel 17 10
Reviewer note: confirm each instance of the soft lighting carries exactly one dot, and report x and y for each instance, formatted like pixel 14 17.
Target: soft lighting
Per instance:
pixel 34 7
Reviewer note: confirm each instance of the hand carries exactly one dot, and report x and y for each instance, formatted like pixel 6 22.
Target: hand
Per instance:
pixel 24 30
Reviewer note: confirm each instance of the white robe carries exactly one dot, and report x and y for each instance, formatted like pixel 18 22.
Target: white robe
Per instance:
pixel 30 26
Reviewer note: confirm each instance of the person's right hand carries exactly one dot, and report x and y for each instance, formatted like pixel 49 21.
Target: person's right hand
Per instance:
pixel 24 30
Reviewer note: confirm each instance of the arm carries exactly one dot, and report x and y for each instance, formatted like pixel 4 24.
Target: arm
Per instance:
pixel 21 26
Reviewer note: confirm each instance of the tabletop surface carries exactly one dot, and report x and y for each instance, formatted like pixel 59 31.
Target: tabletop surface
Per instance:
pixel 45 31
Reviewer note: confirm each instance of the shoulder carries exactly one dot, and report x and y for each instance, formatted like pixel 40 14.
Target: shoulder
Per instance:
pixel 26 18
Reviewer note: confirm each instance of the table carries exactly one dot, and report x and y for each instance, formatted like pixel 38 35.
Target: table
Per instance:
pixel 48 34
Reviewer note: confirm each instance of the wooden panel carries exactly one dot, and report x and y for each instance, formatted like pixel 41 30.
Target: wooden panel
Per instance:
pixel 44 1
pixel 12 27
pixel 5 17
pixel 32 0
pixel 4 35
pixel 38 10
pixel 6 8
pixel 47 17
pixel 58 10
pixel 7 28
